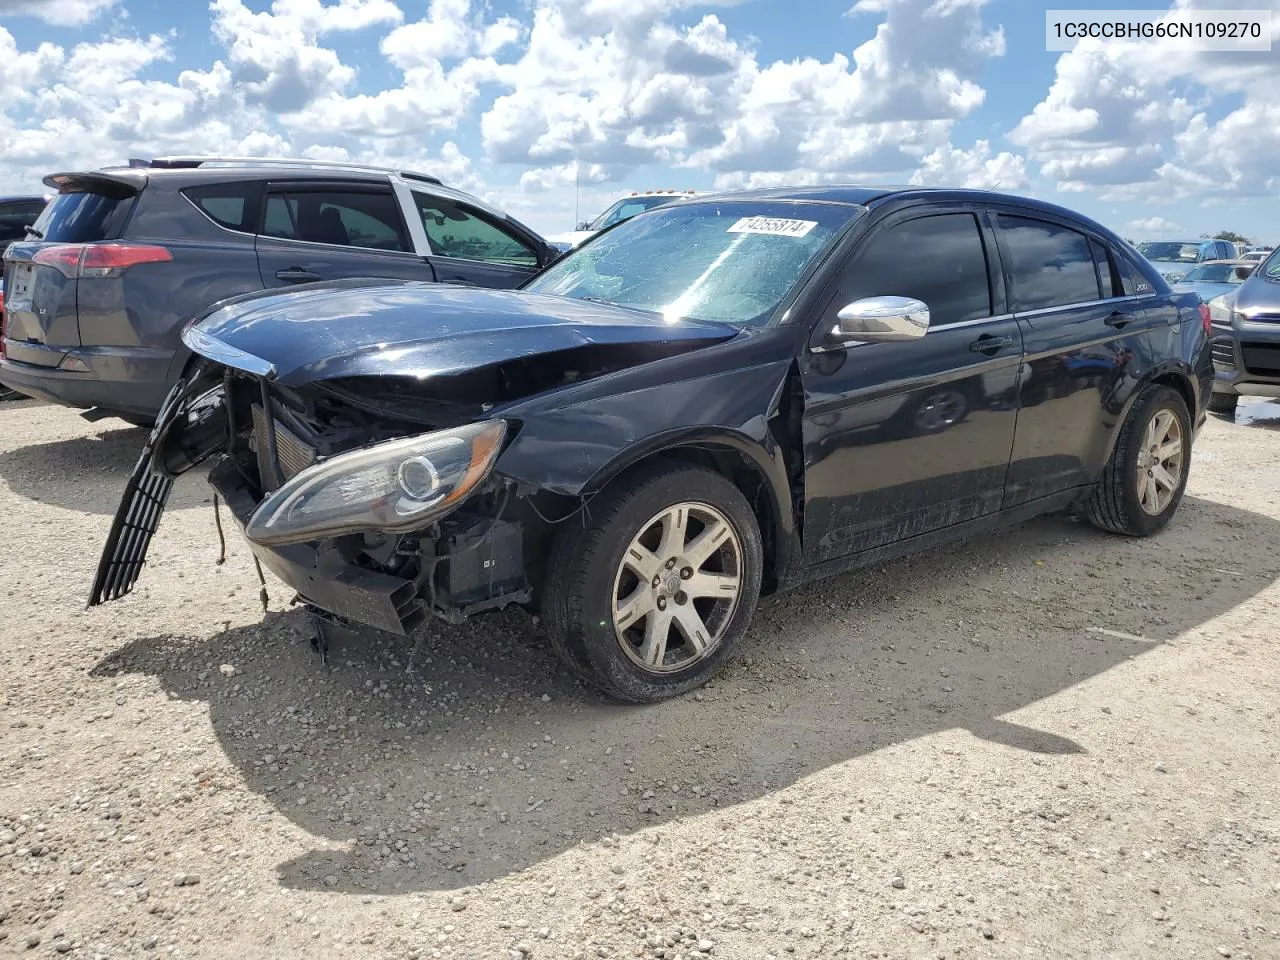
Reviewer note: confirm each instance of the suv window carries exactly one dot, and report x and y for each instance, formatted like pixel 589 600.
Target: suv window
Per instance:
pixel 16 216
pixel 356 219
pixel 84 216
pixel 1052 266
pixel 938 259
pixel 462 234
pixel 230 205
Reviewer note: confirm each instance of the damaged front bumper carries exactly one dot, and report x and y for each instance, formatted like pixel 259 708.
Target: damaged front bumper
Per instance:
pixel 460 564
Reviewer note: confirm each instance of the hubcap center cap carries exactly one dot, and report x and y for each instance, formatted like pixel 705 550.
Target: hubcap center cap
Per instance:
pixel 671 584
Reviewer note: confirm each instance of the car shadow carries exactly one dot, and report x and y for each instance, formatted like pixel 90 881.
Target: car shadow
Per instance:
pixel 470 755
pixel 88 473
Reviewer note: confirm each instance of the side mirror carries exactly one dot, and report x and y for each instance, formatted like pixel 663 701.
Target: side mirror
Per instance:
pixel 882 320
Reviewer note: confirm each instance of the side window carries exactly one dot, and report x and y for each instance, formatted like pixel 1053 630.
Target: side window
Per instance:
pixel 456 232
pixel 939 259
pixel 230 205
pixel 1109 284
pixel 1132 282
pixel 356 219
pixel 15 218
pixel 1052 266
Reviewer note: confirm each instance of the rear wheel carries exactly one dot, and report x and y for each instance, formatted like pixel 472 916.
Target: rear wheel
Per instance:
pixel 1223 403
pixel 649 594
pixel 1143 482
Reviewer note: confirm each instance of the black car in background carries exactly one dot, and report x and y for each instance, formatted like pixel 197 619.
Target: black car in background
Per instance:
pixel 718 398
pixel 123 257
pixel 1246 339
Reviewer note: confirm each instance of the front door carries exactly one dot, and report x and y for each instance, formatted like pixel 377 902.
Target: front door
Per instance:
pixel 471 248
pixel 901 439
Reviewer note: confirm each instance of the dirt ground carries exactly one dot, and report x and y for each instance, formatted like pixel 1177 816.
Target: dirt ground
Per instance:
pixel 1053 743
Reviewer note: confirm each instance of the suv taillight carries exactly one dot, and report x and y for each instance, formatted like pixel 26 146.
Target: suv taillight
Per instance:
pixel 98 259
pixel 1206 318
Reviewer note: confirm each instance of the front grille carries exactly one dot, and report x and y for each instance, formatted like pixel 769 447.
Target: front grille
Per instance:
pixel 1261 359
pixel 1224 354
pixel 293 454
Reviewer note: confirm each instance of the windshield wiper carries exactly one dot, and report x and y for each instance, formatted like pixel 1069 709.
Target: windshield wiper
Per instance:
pixel 33 232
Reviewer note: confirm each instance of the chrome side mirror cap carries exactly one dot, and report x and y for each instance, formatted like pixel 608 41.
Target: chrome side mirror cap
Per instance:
pixel 882 320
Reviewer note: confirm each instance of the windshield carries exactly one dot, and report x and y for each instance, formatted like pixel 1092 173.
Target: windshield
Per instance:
pixel 728 262
pixel 1219 273
pixel 625 209
pixel 1169 251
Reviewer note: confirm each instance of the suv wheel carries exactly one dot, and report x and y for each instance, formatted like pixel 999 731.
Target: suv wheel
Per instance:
pixel 1143 482
pixel 649 595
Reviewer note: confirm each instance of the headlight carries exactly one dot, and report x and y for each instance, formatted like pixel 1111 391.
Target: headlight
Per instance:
pixel 1221 308
pixel 394 486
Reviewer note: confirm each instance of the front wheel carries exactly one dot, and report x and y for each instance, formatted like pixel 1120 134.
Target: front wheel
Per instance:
pixel 1143 482
pixel 648 594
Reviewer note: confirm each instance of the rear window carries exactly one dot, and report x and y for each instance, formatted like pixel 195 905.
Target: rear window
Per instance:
pixel 83 217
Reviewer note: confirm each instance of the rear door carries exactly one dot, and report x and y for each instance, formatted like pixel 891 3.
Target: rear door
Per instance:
pixel 328 230
pixel 470 246
pixel 41 321
pixel 1086 342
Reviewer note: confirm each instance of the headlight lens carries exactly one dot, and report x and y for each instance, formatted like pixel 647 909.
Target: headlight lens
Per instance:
pixel 1220 309
pixel 394 486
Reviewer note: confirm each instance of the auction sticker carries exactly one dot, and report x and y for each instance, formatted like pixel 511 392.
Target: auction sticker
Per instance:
pixel 773 226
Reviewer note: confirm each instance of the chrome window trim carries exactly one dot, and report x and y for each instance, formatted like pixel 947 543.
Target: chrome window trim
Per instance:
pixel 1080 303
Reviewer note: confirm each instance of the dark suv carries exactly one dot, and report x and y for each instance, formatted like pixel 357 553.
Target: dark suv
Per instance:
pixel 122 257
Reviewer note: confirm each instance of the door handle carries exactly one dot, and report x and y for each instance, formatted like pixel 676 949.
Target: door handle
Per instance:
pixel 296 275
pixel 989 344
pixel 1118 319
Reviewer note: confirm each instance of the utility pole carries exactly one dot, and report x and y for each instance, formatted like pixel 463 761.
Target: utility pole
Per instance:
pixel 577 171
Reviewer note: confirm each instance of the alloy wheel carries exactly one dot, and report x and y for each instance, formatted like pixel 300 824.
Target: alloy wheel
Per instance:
pixel 677 587
pixel 1160 462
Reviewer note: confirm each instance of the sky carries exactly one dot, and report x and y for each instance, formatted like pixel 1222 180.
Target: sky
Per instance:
pixel 552 109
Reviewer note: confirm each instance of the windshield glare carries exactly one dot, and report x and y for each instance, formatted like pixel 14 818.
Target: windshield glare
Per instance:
pixel 728 262
pixel 1218 273
pixel 1170 252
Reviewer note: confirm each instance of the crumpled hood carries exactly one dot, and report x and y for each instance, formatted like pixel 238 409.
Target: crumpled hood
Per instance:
pixel 415 329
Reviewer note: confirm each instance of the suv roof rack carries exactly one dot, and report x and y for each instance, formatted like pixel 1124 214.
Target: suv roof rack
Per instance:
pixel 188 163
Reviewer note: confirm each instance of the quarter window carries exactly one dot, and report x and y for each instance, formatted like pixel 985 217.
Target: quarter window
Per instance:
pixel 1052 266
pixel 357 219
pixel 458 233
pixel 230 205
pixel 939 260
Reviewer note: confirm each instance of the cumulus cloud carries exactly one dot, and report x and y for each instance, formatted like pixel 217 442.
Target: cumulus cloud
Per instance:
pixel 63 13
pixel 1145 120
pixel 977 168
pixel 1152 225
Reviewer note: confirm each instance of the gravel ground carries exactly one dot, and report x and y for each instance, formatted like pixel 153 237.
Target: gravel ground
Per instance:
pixel 1054 744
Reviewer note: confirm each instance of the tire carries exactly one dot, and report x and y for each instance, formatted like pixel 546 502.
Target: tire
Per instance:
pixel 590 567
pixel 1117 503
pixel 1223 403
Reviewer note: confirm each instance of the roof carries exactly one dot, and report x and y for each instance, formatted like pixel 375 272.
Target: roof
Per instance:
pixel 23 197
pixel 866 195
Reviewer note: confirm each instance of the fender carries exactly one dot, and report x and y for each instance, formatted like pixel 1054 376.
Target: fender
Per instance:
pixel 1169 368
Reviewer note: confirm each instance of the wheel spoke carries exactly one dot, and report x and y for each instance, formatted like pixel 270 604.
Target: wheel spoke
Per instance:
pixel 675 527
pixel 657 629
pixel 689 623
pixel 1169 450
pixel 719 585
pixel 1163 477
pixel 644 563
pixel 706 543
pixel 1151 496
pixel 637 604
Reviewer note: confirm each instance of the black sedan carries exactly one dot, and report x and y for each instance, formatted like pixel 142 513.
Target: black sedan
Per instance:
pixel 724 397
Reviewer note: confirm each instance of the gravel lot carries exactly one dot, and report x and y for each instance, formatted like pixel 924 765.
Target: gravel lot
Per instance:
pixel 1052 744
